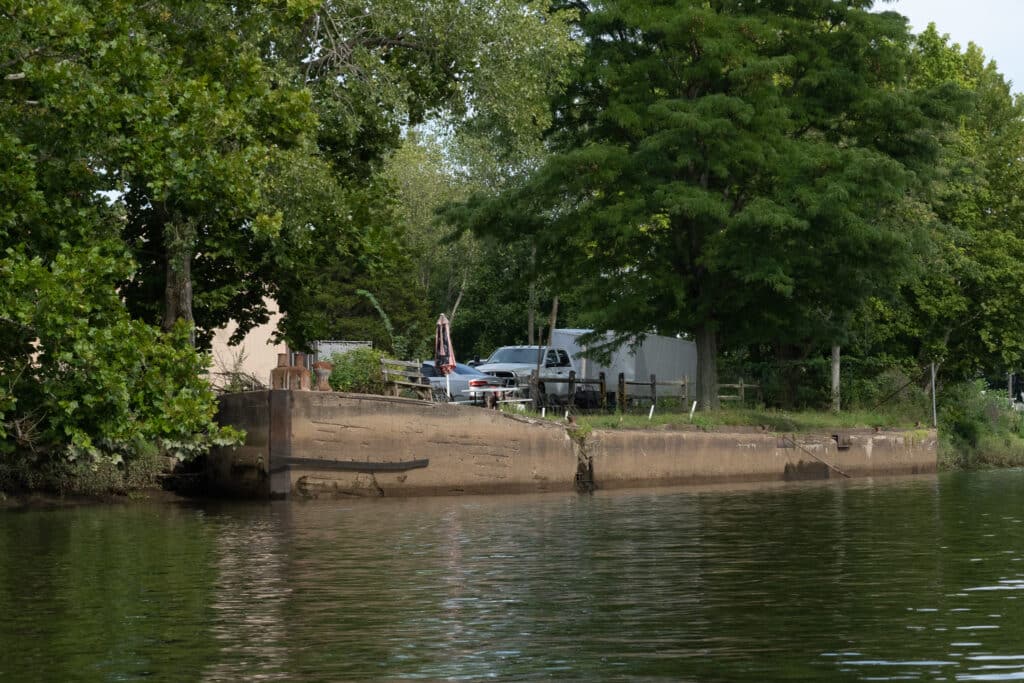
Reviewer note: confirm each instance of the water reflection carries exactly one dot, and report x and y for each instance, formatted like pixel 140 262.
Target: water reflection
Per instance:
pixel 914 579
pixel 250 594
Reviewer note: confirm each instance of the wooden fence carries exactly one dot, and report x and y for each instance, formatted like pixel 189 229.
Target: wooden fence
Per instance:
pixel 741 390
pixel 403 375
pixel 625 390
pixel 629 392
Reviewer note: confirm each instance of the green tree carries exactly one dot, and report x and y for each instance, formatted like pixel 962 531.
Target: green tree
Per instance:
pixel 480 70
pixel 82 380
pixel 181 160
pixel 194 107
pixel 963 308
pixel 726 168
pixel 486 286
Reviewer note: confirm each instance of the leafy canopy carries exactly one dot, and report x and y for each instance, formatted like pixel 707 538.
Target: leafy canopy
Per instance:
pixel 727 168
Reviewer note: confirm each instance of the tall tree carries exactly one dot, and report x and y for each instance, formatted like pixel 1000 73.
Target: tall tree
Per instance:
pixel 80 380
pixel 481 71
pixel 963 308
pixel 726 167
pixel 203 104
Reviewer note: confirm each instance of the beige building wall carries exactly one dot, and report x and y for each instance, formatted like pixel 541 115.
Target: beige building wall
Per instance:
pixel 255 356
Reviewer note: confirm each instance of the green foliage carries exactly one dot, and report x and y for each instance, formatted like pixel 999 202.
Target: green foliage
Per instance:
pixel 978 428
pixel 357 371
pixel 84 388
pixel 358 217
pixel 733 170
pixel 82 478
pixel 85 384
pixel 482 284
pixel 963 305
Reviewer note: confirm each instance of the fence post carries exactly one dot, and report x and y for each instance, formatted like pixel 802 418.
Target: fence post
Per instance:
pixel 571 401
pixel 603 387
pixel 742 393
pixel 686 390
pixel 535 390
pixel 620 400
pixel 654 390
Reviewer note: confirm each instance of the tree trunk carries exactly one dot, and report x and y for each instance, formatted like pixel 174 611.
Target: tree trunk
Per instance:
pixel 552 321
pixel 178 249
pixel 835 378
pixel 531 303
pixel 707 367
pixel 529 324
pixel 458 300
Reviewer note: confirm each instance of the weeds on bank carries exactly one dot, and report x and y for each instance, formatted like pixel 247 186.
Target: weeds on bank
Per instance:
pixel 80 478
pixel 979 429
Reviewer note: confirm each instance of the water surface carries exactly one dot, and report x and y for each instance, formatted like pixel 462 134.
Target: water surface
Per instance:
pixel 900 579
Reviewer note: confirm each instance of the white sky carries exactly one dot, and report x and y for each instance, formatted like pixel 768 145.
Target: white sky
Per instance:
pixel 994 25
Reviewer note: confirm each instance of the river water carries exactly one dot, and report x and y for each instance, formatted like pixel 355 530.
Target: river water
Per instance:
pixel 902 579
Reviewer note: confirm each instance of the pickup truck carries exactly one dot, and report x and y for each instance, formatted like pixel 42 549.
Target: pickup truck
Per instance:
pixel 515 363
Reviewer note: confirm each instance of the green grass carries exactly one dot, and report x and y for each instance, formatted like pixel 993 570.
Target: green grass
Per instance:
pixel 770 420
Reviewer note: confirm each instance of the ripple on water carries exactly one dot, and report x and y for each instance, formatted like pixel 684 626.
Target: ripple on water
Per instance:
pixel 888 580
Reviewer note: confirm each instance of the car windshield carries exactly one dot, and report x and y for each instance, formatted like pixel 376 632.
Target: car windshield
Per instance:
pixel 467 370
pixel 510 355
pixel 428 370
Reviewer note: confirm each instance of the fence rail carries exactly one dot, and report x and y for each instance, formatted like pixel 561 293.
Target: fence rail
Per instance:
pixel 405 375
pixel 741 391
pixel 620 392
pixel 402 375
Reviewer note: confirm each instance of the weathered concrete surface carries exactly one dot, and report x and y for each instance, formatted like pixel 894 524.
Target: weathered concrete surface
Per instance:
pixel 325 444
pixel 245 470
pixel 624 458
pixel 469 450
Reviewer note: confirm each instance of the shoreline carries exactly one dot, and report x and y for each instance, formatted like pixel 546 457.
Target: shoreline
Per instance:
pixel 39 500
pixel 303 444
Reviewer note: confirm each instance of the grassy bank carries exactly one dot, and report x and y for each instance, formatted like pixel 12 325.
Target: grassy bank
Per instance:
pixel 770 420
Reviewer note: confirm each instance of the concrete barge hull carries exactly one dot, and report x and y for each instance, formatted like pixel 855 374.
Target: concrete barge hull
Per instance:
pixel 315 444
pixel 305 444
pixel 628 458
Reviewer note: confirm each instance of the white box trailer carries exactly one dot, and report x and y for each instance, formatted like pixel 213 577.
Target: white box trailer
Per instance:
pixel 670 359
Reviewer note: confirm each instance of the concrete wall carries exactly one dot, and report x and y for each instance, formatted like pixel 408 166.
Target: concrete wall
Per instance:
pixel 634 458
pixel 470 450
pixel 324 444
pixel 467 449
pixel 244 470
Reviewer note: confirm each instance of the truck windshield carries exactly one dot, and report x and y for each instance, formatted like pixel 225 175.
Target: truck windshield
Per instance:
pixel 509 355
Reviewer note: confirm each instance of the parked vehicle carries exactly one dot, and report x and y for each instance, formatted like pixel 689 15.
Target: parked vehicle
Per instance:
pixel 461 380
pixel 670 359
pixel 514 364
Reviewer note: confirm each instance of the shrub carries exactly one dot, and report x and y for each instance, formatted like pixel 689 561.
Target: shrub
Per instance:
pixel 86 386
pixel 357 371
pixel 978 428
